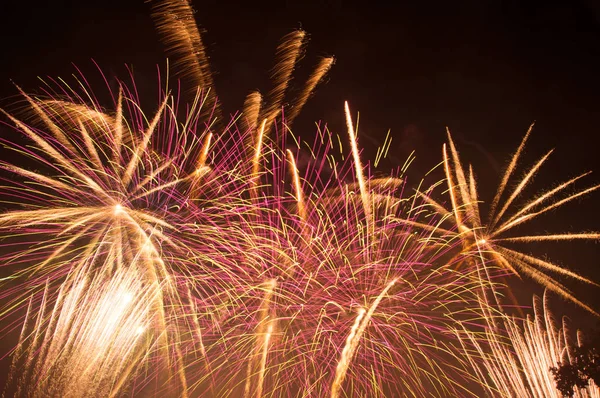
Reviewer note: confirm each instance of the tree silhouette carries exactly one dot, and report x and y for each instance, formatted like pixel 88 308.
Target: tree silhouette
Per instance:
pixel 583 366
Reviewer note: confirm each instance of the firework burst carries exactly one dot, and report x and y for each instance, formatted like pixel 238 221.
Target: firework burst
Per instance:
pixel 109 195
pixel 485 239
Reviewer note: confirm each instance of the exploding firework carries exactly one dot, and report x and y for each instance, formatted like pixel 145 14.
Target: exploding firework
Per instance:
pixel 484 239
pixel 109 195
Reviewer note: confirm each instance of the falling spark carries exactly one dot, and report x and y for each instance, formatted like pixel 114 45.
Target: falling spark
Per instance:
pixel 176 25
pixel 354 337
pixel 320 71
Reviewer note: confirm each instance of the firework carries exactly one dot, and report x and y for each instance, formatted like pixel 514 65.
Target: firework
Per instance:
pixel 104 200
pixel 516 360
pixel 485 239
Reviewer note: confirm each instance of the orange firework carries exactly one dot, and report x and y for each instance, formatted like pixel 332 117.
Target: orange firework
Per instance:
pixel 484 239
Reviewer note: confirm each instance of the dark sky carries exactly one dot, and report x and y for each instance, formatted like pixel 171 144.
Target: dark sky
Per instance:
pixel 486 69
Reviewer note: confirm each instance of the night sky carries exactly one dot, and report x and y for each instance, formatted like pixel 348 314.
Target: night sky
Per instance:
pixel 485 69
